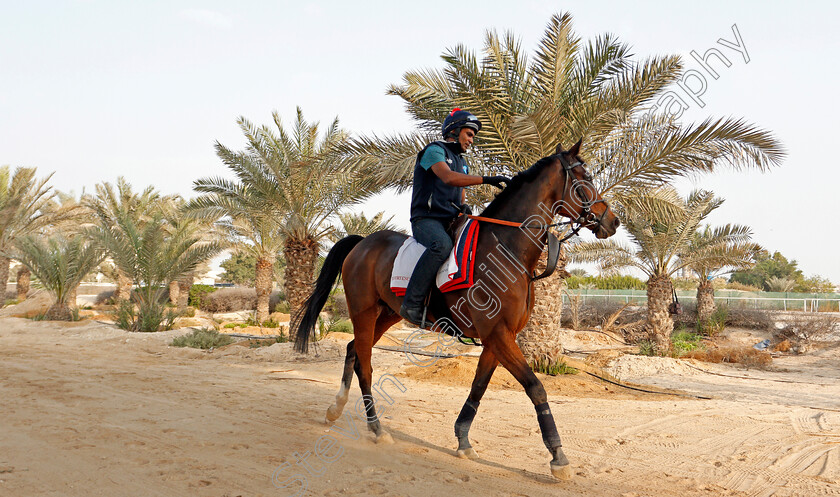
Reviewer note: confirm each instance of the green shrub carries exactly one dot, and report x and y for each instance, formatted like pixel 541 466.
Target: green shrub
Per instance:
pixel 236 325
pixel 333 325
pixel 614 282
pixel 269 323
pixel 124 315
pixel 341 326
pixel 197 294
pixel 552 368
pixel 188 312
pixel 715 324
pixel 147 316
pixel 282 306
pixel 202 338
pixel 683 341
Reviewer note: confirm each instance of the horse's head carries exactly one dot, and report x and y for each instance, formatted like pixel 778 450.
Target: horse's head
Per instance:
pixel 580 200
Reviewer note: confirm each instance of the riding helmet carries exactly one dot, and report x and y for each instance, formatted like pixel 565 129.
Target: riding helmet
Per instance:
pixel 458 119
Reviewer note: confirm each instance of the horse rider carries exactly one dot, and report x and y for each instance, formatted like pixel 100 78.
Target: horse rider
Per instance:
pixel 437 198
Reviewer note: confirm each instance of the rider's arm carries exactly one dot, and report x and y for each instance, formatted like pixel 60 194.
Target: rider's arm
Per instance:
pixel 452 178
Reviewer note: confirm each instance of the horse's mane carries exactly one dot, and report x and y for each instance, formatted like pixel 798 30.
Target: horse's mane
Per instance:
pixel 521 178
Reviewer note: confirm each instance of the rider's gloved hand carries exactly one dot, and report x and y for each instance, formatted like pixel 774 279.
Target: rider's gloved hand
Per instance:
pixel 497 181
pixel 466 210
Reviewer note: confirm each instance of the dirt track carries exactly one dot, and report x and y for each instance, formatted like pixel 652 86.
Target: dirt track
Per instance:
pixel 88 409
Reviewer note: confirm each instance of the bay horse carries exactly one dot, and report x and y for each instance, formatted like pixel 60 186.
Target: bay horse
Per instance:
pixel 514 230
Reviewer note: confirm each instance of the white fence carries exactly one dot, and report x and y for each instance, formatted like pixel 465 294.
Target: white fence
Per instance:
pixel 763 303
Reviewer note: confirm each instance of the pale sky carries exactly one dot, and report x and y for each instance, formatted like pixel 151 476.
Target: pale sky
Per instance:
pixel 93 90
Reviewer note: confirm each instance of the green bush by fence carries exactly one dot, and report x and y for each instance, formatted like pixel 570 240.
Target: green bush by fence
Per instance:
pixel 197 294
pixel 605 282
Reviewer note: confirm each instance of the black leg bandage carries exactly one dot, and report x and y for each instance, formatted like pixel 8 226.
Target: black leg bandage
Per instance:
pixel 462 424
pixel 551 438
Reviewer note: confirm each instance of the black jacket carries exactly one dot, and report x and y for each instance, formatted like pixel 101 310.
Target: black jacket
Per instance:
pixel 430 196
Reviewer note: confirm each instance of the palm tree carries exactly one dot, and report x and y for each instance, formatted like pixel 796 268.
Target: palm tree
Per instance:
pixel 60 263
pixel 732 249
pixel 567 90
pixel 246 225
pixel 152 254
pixel 662 228
pixel 296 178
pixel 174 212
pixel 22 198
pixel 110 203
pixel 358 224
pixel 778 284
pixel 27 205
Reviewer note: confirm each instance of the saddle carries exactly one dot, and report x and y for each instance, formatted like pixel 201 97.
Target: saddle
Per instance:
pixel 455 274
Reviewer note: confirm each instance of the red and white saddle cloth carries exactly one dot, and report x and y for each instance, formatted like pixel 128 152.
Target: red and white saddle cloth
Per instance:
pixel 455 274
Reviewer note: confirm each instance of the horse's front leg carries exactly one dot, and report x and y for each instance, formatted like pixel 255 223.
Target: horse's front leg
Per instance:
pixel 486 366
pixel 503 345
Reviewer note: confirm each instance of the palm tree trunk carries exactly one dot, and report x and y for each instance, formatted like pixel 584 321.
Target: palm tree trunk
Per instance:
pixel 541 339
pixel 23 282
pixel 71 297
pixel 4 278
pixel 123 287
pixel 184 286
pixel 174 293
pixel 659 323
pixel 263 284
pixel 705 301
pixel 301 256
pixel 59 311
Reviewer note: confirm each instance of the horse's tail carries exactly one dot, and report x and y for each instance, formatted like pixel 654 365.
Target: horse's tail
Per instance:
pixel 313 305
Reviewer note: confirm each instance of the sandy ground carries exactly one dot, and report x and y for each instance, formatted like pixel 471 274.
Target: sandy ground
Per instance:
pixel 87 409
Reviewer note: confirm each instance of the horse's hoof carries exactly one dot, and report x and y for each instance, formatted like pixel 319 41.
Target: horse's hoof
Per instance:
pixel 563 472
pixel 467 453
pixel 384 438
pixel 332 415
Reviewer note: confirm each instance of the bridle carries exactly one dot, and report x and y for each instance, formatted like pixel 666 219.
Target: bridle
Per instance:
pixel 587 217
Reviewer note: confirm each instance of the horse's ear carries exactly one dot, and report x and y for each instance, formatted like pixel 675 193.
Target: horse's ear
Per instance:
pixel 575 148
pixel 559 149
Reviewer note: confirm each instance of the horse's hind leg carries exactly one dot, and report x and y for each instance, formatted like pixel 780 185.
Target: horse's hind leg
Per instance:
pixel 486 366
pixel 335 410
pixel 504 347
pixel 368 327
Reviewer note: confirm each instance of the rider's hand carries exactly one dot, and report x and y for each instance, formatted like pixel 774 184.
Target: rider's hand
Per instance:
pixel 497 181
pixel 466 210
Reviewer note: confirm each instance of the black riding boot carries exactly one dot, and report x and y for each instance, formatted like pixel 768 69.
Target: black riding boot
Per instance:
pixel 431 234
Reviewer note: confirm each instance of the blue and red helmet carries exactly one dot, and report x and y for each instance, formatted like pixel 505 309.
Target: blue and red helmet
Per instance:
pixel 458 119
